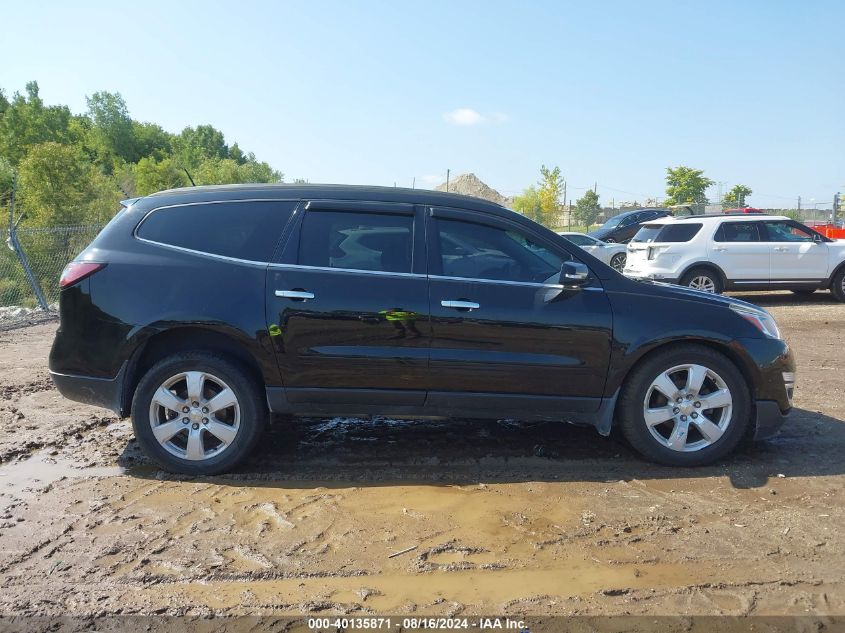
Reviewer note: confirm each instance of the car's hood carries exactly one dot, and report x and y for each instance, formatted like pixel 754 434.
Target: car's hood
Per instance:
pixel 598 233
pixel 690 294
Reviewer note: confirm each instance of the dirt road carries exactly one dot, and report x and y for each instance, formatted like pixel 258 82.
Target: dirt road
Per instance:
pixel 503 517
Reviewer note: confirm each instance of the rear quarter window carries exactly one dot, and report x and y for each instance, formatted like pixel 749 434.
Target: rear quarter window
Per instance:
pixel 667 232
pixel 241 229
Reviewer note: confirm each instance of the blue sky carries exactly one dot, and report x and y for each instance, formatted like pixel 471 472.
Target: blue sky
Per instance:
pixel 384 92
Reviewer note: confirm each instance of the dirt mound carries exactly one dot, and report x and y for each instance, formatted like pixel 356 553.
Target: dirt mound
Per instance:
pixel 472 185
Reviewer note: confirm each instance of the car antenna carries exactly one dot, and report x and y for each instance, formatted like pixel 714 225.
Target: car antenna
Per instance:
pixel 187 173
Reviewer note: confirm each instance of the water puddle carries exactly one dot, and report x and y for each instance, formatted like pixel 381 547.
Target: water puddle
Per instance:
pixel 26 477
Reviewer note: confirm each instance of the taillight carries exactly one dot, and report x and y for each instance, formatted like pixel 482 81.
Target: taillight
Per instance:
pixel 77 271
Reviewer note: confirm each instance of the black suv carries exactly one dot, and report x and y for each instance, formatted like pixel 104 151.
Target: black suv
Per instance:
pixel 621 228
pixel 202 311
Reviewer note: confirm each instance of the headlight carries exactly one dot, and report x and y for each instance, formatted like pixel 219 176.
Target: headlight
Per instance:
pixel 760 319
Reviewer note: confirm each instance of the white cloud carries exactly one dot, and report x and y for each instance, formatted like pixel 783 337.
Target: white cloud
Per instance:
pixel 468 117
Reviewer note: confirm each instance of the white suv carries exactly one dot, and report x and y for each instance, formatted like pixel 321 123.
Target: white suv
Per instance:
pixel 737 252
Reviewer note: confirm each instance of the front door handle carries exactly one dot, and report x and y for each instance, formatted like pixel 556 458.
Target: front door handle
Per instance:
pixel 299 295
pixel 780 249
pixel 720 248
pixel 460 304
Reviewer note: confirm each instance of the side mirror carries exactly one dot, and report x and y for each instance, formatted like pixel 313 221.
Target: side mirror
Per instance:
pixel 574 274
pixel 817 238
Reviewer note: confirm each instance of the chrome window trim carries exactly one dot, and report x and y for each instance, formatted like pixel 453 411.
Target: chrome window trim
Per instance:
pixel 359 271
pixel 504 282
pixel 226 258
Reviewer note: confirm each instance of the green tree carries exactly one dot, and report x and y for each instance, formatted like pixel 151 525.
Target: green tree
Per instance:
pixel 26 121
pixel 685 185
pixel 151 140
pixel 735 198
pixel 217 171
pixel 7 174
pixel 151 175
pixel 528 204
pixel 587 208
pixel 194 145
pixel 60 186
pixel 112 134
pixel 551 193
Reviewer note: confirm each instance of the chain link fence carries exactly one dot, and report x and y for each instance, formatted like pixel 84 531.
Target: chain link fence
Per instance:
pixel 30 268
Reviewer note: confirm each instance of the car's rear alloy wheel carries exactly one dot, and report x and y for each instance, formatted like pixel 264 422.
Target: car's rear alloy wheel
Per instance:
pixel 195 415
pixel 617 262
pixel 686 405
pixel 198 413
pixel 610 240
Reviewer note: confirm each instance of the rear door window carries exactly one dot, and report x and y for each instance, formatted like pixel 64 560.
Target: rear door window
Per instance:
pixel 241 229
pixel 738 232
pixel 357 241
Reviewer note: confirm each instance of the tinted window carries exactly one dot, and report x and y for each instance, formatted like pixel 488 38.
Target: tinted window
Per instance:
pixel 737 232
pixel 360 241
pixel 484 252
pixel 246 230
pixel 787 232
pixel 667 232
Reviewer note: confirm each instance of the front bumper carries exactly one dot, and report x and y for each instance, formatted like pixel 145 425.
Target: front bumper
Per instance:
pixel 100 392
pixel 769 419
pixel 643 276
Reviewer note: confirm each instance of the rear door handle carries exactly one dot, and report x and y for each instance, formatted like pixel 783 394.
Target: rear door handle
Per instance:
pixel 780 249
pixel 720 248
pixel 301 295
pixel 460 304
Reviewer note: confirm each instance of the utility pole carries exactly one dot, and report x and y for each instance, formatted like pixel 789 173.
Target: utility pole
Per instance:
pixel 596 187
pixel 414 183
pixel 799 205
pixel 448 171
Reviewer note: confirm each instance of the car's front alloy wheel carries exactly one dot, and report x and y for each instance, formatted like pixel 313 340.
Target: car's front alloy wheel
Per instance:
pixel 686 405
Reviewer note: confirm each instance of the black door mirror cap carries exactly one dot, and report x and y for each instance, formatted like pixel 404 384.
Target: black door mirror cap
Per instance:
pixel 574 274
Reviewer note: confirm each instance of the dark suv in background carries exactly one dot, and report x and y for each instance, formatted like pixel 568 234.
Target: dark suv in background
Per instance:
pixel 202 311
pixel 621 228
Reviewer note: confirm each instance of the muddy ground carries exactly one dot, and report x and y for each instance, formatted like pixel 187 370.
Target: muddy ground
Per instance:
pixel 503 517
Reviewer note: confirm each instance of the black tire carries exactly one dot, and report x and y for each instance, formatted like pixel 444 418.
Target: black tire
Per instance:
pixel 253 412
pixel 837 286
pixel 804 292
pixel 631 415
pixel 609 240
pixel 708 273
pixel 617 262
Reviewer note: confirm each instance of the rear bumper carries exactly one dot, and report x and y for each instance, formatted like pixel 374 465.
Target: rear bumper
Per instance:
pixel 100 392
pixel 769 420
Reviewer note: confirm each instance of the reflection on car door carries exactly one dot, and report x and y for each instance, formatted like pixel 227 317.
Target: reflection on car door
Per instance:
pixel 738 250
pixel 503 329
pixel 794 252
pixel 347 305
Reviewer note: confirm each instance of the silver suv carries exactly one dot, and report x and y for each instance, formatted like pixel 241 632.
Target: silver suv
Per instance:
pixel 720 252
